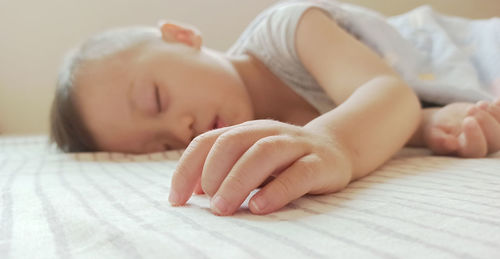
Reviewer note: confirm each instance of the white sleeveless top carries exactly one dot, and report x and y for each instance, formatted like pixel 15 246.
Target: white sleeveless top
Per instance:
pixel 271 39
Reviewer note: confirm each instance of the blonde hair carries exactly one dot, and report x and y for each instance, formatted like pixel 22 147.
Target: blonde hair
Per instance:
pixel 67 129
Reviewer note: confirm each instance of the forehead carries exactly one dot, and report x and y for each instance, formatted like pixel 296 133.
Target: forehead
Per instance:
pixel 105 76
pixel 101 92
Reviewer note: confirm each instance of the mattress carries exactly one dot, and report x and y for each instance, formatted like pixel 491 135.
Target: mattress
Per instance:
pixel 109 205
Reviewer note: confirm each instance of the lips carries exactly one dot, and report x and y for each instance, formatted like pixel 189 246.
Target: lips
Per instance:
pixel 214 123
pixel 218 123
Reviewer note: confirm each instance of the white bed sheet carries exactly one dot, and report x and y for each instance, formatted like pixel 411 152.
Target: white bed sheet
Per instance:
pixel 105 205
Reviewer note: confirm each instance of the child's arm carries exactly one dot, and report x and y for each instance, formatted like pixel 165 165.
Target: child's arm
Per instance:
pixel 373 124
pixel 376 115
pixel 378 112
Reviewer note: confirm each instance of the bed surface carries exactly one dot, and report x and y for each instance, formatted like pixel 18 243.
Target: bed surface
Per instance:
pixel 103 205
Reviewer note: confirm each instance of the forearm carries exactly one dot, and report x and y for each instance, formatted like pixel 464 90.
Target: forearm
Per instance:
pixel 372 124
pixel 417 140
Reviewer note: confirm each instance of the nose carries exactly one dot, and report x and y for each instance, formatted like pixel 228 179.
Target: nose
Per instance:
pixel 176 131
pixel 185 129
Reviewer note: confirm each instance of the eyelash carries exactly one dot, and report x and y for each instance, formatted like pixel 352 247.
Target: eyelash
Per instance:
pixel 158 101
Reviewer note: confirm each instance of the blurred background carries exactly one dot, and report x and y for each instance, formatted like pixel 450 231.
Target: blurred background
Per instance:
pixel 36 34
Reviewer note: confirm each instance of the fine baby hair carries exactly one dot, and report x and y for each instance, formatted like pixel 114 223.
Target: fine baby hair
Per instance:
pixel 67 128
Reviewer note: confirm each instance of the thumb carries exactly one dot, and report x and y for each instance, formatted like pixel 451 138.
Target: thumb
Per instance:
pixel 442 142
pixel 472 141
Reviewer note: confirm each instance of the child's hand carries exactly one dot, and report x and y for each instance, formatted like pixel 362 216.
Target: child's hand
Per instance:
pixel 233 161
pixel 465 129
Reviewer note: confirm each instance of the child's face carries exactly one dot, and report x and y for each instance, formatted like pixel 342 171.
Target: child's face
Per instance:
pixel 159 95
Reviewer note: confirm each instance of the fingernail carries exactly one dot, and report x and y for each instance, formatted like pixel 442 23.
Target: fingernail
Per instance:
pixel 259 203
pixel 173 198
pixel 472 110
pixel 483 105
pixel 219 205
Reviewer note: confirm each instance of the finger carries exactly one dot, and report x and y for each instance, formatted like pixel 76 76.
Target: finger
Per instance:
pixel 472 141
pixel 291 184
pixel 490 128
pixel 494 110
pixel 190 166
pixel 225 152
pixel 268 155
pixel 482 105
pixel 198 190
pixel 441 142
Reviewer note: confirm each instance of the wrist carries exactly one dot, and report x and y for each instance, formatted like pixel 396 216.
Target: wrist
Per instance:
pixel 418 137
pixel 339 151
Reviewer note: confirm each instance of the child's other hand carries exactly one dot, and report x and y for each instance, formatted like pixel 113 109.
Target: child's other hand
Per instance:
pixel 465 129
pixel 231 162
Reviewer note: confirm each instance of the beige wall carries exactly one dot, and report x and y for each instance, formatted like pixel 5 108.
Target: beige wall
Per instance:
pixel 35 35
pixel 467 8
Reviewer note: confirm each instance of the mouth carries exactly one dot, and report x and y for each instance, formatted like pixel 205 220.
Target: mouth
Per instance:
pixel 218 123
pixel 214 123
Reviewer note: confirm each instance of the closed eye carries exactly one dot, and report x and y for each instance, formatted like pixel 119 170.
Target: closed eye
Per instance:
pixel 158 100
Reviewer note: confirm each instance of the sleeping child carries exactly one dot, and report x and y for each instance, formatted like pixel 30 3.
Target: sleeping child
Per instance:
pixel 312 96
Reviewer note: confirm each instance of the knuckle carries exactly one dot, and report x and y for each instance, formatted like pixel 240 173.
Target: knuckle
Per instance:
pixel 482 117
pixel 309 169
pixel 283 186
pixel 483 103
pixel 479 117
pixel 229 137
pixel 265 145
pixel 235 184
pixel 198 141
pixel 298 183
pixel 270 145
pixel 250 122
pixel 495 112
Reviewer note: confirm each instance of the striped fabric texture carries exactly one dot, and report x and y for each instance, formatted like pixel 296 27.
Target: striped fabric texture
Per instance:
pixel 106 205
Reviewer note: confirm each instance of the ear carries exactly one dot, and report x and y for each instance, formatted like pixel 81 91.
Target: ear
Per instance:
pixel 177 33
